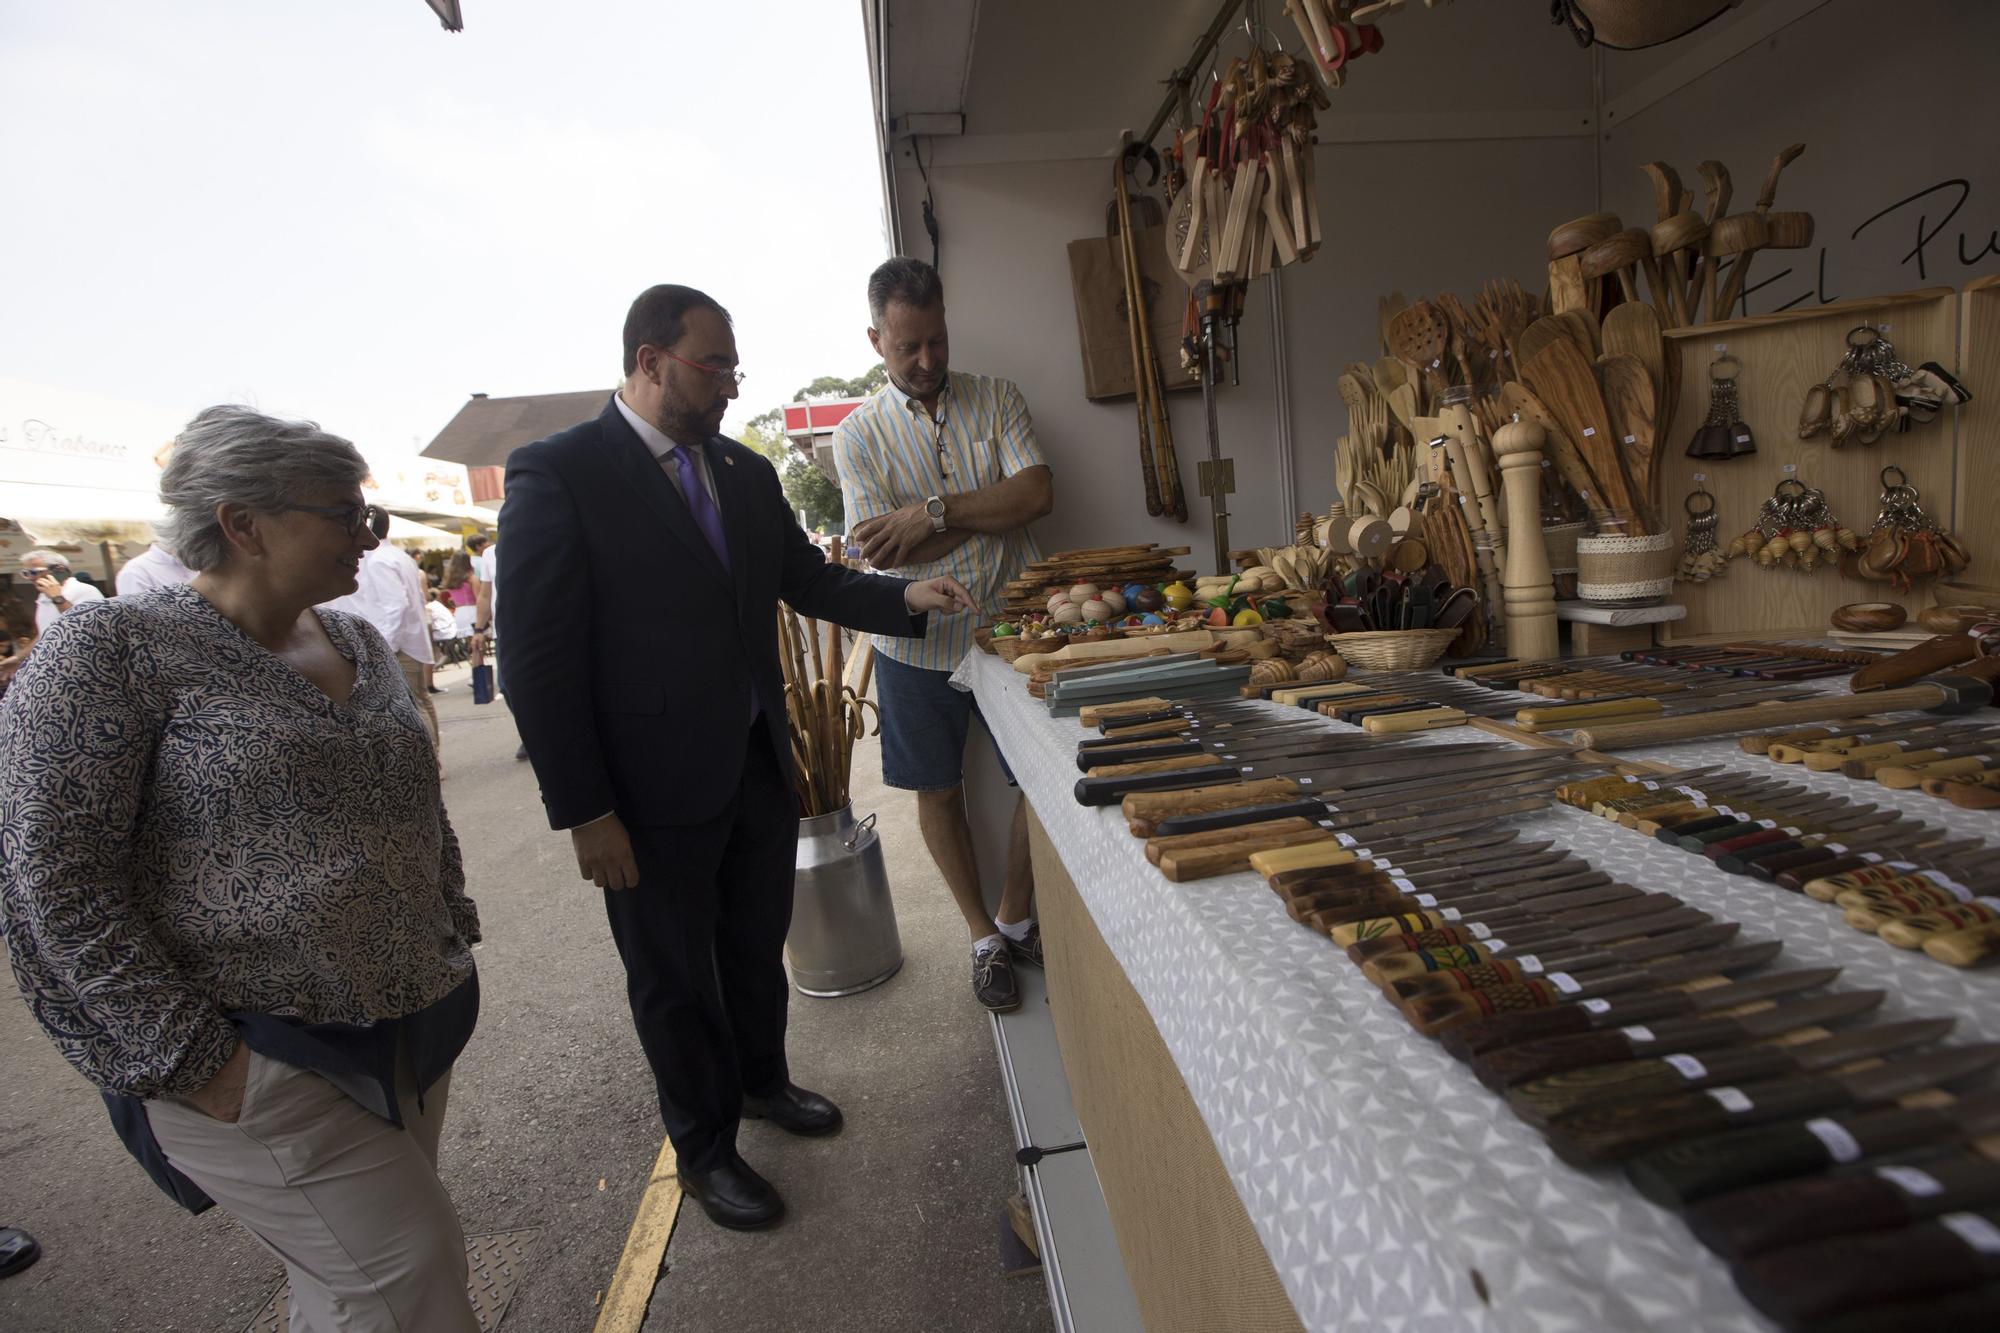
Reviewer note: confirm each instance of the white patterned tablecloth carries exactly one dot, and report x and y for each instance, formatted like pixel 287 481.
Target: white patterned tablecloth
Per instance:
pixel 1378 1172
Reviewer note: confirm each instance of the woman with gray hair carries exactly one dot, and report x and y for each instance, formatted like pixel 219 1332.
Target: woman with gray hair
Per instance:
pixel 229 888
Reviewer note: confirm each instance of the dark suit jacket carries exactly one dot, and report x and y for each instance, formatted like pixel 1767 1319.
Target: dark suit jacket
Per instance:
pixel 631 651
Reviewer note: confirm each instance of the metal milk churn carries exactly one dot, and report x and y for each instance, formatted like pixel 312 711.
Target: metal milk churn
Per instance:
pixel 843 937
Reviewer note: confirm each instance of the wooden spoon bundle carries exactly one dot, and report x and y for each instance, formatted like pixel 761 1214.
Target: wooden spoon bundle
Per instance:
pixel 1249 205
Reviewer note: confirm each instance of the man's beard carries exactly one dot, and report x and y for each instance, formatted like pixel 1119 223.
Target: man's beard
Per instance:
pixel 680 421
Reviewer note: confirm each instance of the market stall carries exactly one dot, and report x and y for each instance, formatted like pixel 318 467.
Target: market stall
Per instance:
pixel 1583 546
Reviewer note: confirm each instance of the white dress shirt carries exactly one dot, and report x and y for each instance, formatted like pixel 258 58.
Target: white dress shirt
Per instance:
pixel 444 625
pixel 74 591
pixel 659 446
pixel 390 596
pixel 154 567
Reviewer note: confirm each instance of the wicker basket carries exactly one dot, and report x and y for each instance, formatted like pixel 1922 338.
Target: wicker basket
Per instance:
pixel 1393 649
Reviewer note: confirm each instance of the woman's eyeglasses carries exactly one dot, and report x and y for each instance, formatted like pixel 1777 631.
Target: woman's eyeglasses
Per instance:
pixel 350 517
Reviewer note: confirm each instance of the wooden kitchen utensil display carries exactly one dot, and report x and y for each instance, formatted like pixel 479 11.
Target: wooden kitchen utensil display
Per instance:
pixel 1722 433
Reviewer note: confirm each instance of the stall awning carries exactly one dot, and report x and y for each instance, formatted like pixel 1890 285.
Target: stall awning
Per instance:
pixel 487 429
pixel 421 536
pixel 50 512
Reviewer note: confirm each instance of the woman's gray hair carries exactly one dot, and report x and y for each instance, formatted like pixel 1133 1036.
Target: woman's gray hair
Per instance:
pixel 238 455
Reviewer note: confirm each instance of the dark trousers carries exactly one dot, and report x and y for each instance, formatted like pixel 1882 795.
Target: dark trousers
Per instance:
pixel 702 939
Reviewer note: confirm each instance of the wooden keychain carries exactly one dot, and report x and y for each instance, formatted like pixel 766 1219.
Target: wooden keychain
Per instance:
pixel 1701 558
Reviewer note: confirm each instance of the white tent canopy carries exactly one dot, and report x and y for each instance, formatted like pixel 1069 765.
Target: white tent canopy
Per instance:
pixel 421 536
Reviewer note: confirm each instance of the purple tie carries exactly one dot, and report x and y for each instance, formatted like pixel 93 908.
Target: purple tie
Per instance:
pixel 699 503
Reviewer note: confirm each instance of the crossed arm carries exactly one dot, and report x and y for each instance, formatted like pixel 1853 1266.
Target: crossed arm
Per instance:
pixel 904 536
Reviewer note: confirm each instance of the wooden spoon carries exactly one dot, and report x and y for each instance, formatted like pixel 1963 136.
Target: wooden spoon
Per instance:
pixel 1419 335
pixel 1633 329
pixel 1565 380
pixel 1558 447
pixel 1630 398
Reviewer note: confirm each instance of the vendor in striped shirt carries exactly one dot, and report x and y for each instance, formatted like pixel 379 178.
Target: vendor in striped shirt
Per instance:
pixel 940 474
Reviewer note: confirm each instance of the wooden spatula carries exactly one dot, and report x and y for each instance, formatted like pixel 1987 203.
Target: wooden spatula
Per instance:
pixel 1581 328
pixel 1559 448
pixel 1633 329
pixel 1419 336
pixel 1629 396
pixel 1538 335
pixel 1564 379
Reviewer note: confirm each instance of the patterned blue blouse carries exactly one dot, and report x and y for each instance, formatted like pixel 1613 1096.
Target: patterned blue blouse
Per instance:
pixel 189 828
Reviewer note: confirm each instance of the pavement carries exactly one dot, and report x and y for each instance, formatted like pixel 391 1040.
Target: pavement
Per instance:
pixel 553 1125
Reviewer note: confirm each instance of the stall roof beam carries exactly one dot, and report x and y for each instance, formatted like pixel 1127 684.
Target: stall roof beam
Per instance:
pixel 1707 51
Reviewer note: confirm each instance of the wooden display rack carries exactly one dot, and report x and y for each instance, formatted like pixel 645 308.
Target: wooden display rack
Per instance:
pixel 1783 355
pixel 1977 516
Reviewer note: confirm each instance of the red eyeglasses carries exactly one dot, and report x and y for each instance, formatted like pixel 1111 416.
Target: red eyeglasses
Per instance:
pixel 735 377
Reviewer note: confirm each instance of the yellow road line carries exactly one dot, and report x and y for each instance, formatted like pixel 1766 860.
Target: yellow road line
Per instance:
pixel 625 1300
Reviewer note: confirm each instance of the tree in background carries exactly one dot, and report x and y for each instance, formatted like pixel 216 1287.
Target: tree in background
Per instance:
pixel 807 488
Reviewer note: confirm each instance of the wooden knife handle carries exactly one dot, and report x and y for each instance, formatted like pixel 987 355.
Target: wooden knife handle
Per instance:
pixel 1864 768
pixel 1151 766
pixel 1204 862
pixel 1744 1223
pixel 1386 969
pixel 1972 795
pixel 1806 1283
pixel 1148 808
pixel 1270 861
pixel 1564 714
pixel 1542 1100
pixel 1469 1041
pixel 1524 1061
pixel 1229 837
pixel 1699 726
pixel 1914 663
pixel 1906 777
pixel 1965 948
pixel 1428 719
pixel 1433 1014
pixel 1596 1135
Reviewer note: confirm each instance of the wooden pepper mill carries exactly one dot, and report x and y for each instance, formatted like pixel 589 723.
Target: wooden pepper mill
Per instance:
pixel 1530 589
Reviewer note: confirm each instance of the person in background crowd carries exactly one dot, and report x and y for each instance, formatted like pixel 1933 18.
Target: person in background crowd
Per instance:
pixel 390 596
pixel 444 628
pixel 243 915
pixel 60 591
pixel 84 576
pixel 462 588
pixel 154 567
pixel 940 474
pixel 670 768
pixel 17 636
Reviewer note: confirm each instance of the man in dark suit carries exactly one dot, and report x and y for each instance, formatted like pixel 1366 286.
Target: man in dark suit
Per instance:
pixel 644 559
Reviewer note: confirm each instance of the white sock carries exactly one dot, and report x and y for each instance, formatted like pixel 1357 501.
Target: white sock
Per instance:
pixel 1017 931
pixel 987 944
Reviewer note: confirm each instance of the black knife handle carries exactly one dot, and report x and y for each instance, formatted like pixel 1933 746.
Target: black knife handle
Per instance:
pixel 1110 791
pixel 1252 814
pixel 1693 1169
pixel 1820 1279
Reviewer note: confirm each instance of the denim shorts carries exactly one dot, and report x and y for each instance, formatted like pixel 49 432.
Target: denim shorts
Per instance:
pixel 924 722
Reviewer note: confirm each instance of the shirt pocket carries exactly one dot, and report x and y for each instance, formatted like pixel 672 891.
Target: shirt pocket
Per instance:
pixel 981 459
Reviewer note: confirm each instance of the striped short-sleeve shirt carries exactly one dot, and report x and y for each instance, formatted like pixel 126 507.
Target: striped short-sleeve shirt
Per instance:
pixel 891 453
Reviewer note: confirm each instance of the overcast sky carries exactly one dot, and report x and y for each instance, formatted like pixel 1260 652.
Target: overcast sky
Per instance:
pixel 336 209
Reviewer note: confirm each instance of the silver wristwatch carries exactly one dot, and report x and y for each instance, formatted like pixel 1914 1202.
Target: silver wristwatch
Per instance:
pixel 935 508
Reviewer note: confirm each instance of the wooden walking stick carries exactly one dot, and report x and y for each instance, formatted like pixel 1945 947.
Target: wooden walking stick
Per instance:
pixel 1135 321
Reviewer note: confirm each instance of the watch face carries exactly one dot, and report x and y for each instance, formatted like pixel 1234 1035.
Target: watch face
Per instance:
pixel 934 507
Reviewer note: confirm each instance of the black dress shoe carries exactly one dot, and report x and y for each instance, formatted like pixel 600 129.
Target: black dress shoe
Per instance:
pixel 794 1110
pixel 17 1250
pixel 734 1196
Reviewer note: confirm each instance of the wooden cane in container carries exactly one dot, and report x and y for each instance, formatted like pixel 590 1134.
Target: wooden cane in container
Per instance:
pixel 1135 321
pixel 1568 289
pixel 1783 231
pixel 1528 586
pixel 1619 254
pixel 1733 239
pixel 1766 197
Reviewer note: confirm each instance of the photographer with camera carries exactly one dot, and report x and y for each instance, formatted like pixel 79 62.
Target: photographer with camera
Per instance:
pixel 61 591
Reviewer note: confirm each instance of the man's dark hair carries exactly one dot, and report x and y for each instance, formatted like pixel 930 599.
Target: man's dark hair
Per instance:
pixel 475 544
pixel 908 281
pixel 659 317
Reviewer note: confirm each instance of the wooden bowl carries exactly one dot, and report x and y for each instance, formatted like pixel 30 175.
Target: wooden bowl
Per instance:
pixel 1579 234
pixel 1868 617
pixel 1952 619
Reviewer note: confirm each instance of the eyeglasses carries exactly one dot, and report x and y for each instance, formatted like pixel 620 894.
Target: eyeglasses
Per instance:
pixel 350 517
pixel 735 377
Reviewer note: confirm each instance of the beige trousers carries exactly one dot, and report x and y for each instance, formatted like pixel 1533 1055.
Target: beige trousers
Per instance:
pixel 350 1204
pixel 414 676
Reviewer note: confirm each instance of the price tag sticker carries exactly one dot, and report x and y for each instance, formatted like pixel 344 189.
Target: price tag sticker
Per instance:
pixel 1987 901
pixel 1947 883
pixel 1345 839
pixel 1840 1145
pixel 1481 931
pixel 1425 899
pixel 1720 348
pixel 1589 431
pixel 1596 1006
pixel 1693 794
pixel 1363 854
pixel 1900 865
pixel 1974 1230
pixel 1529 964
pixel 1631 439
pixel 1450 914
pixel 1403 885
pixel 1687 1067
pixel 1872 858
pixel 1636 1032
pixel 1837 849
pixel 1918 1184
pixel 1565 983
pixel 1743 439
pixel 1731 1100
pixel 1496 946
